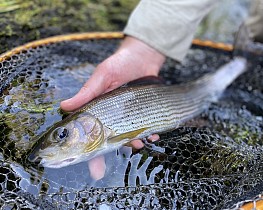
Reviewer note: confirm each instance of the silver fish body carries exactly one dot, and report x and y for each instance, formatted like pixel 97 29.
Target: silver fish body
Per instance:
pixel 127 113
pixel 160 107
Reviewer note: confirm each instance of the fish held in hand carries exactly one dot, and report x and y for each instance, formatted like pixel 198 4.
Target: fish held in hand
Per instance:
pixel 115 118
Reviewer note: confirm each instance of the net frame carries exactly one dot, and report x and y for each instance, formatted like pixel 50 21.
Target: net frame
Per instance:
pixel 246 204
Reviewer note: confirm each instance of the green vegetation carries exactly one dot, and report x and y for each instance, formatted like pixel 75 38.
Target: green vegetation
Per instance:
pixel 24 21
pixel 244 134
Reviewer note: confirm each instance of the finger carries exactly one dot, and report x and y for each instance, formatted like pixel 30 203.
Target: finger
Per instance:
pixel 97 167
pixel 91 89
pixel 136 144
pixel 153 138
pixel 98 83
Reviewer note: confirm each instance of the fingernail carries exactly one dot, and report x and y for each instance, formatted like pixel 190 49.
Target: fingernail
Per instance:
pixel 154 137
pixel 139 144
pixel 65 102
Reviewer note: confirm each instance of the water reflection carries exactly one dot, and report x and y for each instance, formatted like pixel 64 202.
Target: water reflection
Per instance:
pixel 123 168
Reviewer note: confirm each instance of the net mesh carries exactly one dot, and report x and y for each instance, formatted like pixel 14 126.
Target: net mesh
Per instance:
pixel 213 161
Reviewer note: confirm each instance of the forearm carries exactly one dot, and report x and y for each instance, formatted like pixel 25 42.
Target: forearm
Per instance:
pixel 168 25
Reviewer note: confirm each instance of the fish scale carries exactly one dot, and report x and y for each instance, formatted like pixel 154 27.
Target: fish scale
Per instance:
pixel 129 113
pixel 158 107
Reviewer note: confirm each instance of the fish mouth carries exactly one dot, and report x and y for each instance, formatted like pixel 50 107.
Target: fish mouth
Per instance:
pixel 34 159
pixel 58 164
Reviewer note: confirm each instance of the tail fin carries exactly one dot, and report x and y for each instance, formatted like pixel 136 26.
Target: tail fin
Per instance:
pixel 227 73
pixel 215 83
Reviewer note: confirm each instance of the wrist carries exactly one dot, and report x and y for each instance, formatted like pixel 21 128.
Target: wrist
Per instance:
pixel 152 59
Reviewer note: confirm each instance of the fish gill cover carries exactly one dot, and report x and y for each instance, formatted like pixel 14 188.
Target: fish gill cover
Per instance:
pixel 212 162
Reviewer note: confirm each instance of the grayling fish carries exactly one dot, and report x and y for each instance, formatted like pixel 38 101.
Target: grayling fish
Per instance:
pixel 128 113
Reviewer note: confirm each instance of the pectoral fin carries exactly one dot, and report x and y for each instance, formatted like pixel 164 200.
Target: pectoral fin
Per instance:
pixel 128 135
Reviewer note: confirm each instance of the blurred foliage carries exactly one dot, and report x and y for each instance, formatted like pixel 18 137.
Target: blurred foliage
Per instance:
pixel 22 21
pixel 7 6
pixel 223 21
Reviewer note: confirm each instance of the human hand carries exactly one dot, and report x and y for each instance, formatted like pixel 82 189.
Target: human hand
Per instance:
pixel 134 59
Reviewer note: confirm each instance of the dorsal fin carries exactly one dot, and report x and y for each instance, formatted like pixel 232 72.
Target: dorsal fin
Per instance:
pixel 148 80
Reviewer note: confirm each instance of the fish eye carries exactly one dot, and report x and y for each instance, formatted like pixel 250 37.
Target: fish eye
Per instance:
pixel 60 134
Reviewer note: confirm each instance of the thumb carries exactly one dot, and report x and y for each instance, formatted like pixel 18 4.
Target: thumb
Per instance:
pixel 95 86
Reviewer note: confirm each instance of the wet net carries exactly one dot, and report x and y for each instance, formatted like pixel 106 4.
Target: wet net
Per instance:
pixel 212 162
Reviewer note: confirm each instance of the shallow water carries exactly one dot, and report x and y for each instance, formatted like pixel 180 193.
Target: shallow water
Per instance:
pixel 216 156
pixel 38 98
